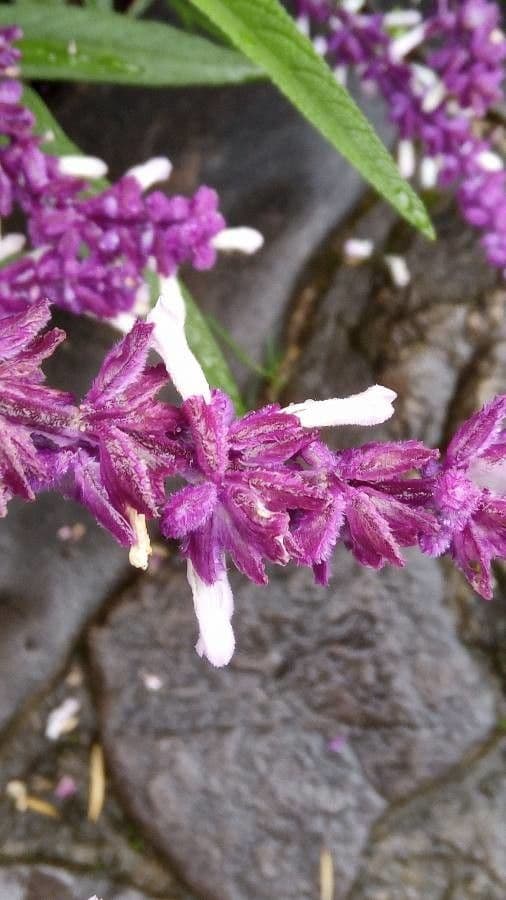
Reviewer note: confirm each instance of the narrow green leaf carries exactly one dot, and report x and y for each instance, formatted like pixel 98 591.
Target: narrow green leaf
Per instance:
pixel 77 44
pixel 265 32
pixel 193 20
pixel 56 141
pixel 209 355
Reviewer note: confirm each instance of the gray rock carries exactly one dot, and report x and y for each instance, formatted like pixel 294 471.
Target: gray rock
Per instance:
pixel 230 773
pixel 39 882
pixel 449 844
pixel 109 847
pixel 421 340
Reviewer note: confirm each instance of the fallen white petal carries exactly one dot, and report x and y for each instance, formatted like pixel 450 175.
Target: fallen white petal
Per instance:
pixel 169 341
pixel 11 244
pixel 402 18
pixel 357 249
pixel 60 718
pixel 490 161
pixel 82 166
pixel 214 605
pixel 151 172
pixel 429 172
pixel 371 407
pixel 407 42
pixel 238 240
pixel 406 160
pixel 398 268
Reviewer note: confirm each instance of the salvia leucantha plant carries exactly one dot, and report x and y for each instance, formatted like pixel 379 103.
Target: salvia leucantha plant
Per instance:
pixel 262 487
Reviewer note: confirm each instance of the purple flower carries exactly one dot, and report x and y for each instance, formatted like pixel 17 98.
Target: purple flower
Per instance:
pixel 250 494
pixel 126 444
pixel 92 250
pixel 367 510
pixel 466 489
pixel 32 416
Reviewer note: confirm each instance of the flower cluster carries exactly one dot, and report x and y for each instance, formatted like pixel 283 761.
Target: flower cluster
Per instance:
pixel 439 77
pixel 256 490
pixel 92 248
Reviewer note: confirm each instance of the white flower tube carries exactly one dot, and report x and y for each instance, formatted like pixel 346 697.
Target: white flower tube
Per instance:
pixel 169 341
pixel 152 172
pixel 11 244
pixel 214 605
pixel 141 550
pixel 82 166
pixel 238 240
pixel 402 18
pixel 406 159
pixel 403 45
pixel 371 407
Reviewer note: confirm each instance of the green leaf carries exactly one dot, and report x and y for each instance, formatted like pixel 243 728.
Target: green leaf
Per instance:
pixel 77 44
pixel 265 32
pixel 209 355
pixel 47 126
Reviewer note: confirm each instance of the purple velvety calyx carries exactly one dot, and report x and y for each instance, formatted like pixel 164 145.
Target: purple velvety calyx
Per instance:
pixel 467 490
pixel 243 491
pixel 33 417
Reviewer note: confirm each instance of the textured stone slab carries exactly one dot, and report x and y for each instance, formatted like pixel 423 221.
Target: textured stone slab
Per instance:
pixel 230 772
pixel 107 852
pixel 424 341
pixel 447 845
pixel 39 882
pixel 48 587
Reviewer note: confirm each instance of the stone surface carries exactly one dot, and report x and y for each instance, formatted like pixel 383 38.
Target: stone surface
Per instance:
pixel 41 882
pixel 423 341
pixel 230 772
pixel 50 588
pixel 447 845
pixel 105 853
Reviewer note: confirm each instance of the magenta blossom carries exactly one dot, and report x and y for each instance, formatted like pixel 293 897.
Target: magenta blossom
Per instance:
pixel 32 416
pixel 466 490
pixel 93 247
pixel 250 494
